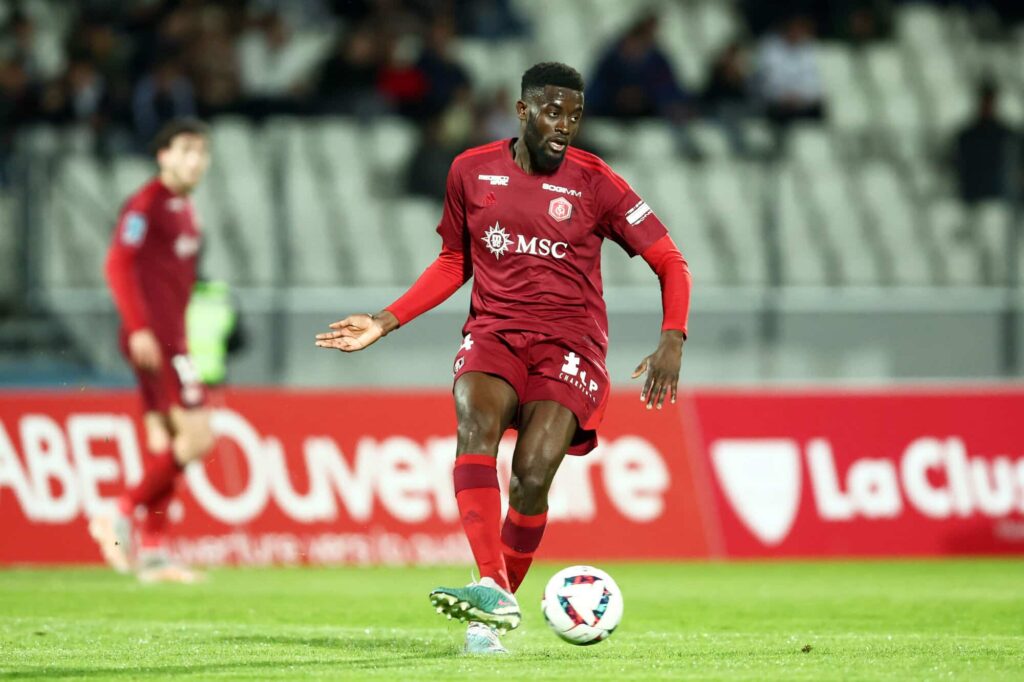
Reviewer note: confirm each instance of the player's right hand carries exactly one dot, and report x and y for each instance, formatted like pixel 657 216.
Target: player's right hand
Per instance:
pixel 355 332
pixel 144 350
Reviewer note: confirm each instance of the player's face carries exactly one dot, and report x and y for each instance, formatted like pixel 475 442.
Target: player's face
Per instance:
pixel 550 122
pixel 185 160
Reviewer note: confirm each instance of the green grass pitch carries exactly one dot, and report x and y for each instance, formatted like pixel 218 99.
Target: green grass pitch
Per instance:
pixel 906 620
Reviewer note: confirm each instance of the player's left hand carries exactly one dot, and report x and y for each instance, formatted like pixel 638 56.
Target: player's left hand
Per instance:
pixel 662 368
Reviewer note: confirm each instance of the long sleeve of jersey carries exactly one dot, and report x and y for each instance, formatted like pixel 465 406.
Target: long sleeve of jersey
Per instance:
pixel 439 281
pixel 674 276
pixel 122 271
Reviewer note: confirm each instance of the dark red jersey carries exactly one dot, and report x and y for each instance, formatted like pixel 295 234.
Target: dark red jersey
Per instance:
pixel 534 241
pixel 151 265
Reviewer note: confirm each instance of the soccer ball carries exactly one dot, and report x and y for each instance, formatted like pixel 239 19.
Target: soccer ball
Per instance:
pixel 582 604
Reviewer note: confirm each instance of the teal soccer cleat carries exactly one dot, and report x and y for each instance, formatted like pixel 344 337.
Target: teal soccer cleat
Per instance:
pixel 483 602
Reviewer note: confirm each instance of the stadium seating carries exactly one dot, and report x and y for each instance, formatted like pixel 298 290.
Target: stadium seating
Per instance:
pixel 861 200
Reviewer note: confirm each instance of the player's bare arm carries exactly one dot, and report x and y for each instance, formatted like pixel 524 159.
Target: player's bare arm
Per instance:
pixel 662 369
pixel 357 332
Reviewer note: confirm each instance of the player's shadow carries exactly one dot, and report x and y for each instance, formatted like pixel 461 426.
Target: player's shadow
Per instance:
pixel 381 651
pixel 368 653
pixel 200 670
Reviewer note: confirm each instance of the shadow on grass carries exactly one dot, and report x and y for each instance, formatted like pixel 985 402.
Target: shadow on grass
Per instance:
pixel 369 653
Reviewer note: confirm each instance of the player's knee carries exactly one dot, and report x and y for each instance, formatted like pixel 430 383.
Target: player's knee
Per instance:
pixel 528 490
pixel 479 432
pixel 197 441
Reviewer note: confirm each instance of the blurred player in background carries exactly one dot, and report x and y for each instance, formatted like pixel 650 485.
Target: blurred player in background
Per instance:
pixel 526 217
pixel 151 270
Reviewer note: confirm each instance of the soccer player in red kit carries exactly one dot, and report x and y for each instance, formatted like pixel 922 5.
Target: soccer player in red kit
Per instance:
pixel 526 218
pixel 151 269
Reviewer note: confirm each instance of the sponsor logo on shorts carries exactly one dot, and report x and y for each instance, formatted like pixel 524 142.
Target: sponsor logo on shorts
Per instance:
pixel 562 190
pixel 458 365
pixel 560 209
pixel 574 376
pixel 499 180
pixel 638 213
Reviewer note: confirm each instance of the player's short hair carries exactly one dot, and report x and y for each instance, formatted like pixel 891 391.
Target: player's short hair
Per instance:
pixel 551 73
pixel 178 126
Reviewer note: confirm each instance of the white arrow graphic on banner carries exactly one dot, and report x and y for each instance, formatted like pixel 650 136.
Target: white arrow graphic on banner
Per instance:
pixel 761 478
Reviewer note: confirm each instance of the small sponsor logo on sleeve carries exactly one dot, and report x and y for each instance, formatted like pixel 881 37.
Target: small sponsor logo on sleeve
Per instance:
pixel 501 180
pixel 638 213
pixel 133 228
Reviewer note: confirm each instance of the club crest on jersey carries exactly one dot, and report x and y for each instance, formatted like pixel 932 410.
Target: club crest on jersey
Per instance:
pixel 497 240
pixel 560 209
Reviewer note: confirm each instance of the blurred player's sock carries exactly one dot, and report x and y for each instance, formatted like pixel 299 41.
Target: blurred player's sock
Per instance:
pixel 476 491
pixel 159 478
pixel 153 529
pixel 113 533
pixel 520 538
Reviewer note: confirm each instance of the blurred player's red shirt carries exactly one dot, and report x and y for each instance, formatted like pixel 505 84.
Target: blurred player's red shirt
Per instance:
pixel 151 265
pixel 534 241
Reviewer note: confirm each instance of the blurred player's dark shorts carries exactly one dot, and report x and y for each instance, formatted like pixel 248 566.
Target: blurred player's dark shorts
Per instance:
pixel 176 383
pixel 542 367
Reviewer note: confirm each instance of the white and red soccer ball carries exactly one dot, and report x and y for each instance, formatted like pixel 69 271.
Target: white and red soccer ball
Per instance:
pixel 582 604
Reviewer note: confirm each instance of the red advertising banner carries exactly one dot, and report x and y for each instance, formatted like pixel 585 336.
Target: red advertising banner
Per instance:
pixel 330 477
pixel 343 477
pixel 910 472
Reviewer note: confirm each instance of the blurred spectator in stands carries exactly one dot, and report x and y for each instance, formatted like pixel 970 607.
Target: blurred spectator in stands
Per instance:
pixel 852 20
pixel 787 73
pixel 273 68
pixel 79 97
pixel 447 82
pixel 348 79
pixel 213 61
pixel 18 44
pixel 427 173
pixel 986 152
pixel 158 29
pixel 862 21
pixel 18 100
pixel 94 38
pixel 299 15
pixel 424 83
pixel 487 19
pixel 400 82
pixel 634 79
pixel 496 118
pixel 162 94
pixel 726 96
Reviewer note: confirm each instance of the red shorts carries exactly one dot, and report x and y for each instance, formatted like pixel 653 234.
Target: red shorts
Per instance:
pixel 542 367
pixel 175 383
